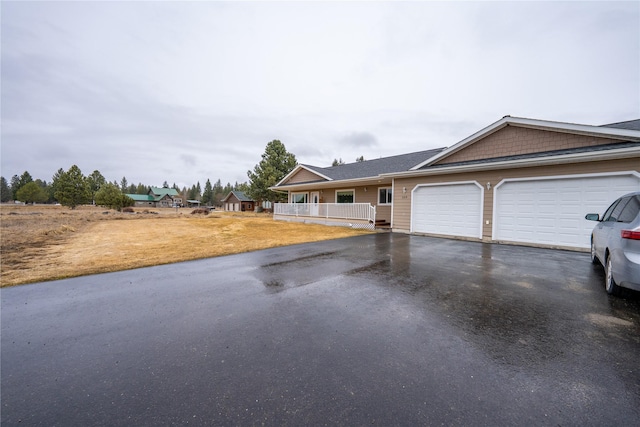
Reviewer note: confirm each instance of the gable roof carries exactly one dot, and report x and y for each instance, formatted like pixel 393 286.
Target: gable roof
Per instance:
pixel 161 191
pixel 239 195
pixel 141 197
pixel 608 131
pixel 629 124
pixel 365 169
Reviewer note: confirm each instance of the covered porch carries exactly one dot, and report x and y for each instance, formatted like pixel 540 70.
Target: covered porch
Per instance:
pixel 354 215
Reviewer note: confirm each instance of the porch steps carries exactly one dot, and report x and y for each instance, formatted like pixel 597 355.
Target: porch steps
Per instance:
pixel 383 224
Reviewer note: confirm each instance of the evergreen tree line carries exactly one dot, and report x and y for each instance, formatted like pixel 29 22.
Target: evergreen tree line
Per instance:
pixel 71 188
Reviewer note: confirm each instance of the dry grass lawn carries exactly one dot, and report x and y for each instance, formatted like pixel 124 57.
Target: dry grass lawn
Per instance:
pixel 39 243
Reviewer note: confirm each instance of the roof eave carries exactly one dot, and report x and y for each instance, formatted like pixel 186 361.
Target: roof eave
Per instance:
pixel 296 169
pixel 590 156
pixel 335 183
pixel 598 131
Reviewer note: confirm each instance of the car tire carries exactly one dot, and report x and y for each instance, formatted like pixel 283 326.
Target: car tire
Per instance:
pixel 610 284
pixel 594 257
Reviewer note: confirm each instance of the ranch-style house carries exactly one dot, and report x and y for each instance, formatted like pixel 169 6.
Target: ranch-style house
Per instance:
pixel 518 180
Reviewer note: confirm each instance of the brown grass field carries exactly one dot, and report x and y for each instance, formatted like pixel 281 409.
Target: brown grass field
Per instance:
pixel 42 242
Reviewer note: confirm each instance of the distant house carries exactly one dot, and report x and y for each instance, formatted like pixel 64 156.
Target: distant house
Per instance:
pixel 238 201
pixel 158 197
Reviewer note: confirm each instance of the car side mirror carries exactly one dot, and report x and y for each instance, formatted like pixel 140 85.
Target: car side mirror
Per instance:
pixel 592 217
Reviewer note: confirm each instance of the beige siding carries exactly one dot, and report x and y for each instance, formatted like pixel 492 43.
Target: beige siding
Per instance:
pixel 369 196
pixel 303 175
pixel 383 213
pixel 513 140
pixel 328 195
pixel 402 201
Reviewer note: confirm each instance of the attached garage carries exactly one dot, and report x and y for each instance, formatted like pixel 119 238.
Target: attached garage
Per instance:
pixel 450 209
pixel 550 211
pixel 522 181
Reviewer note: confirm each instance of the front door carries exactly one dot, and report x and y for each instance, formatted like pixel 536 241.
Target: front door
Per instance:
pixel 315 200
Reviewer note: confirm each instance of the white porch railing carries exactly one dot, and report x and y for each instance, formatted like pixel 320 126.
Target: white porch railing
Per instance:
pixel 353 211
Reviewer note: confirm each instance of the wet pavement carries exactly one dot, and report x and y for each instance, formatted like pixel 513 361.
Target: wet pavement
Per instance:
pixel 381 329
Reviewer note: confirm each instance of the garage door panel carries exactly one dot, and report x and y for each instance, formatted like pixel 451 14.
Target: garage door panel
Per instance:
pixel 551 211
pixel 448 209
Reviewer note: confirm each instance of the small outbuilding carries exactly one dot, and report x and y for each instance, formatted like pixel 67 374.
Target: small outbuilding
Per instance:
pixel 237 201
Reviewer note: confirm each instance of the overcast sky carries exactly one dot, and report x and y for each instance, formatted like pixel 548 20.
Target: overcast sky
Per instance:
pixel 188 91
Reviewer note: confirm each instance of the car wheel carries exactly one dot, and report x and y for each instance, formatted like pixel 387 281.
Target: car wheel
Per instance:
pixel 610 284
pixel 594 258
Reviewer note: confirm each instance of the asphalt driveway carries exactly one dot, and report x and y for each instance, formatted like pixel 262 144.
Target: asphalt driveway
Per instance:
pixel 381 329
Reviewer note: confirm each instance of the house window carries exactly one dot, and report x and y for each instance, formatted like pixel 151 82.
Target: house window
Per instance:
pixel 385 196
pixel 298 197
pixel 344 196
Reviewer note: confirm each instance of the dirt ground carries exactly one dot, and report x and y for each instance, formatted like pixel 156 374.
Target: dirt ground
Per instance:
pixel 43 242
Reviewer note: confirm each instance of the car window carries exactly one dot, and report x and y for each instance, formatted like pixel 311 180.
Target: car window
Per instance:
pixel 607 213
pixel 615 213
pixel 631 210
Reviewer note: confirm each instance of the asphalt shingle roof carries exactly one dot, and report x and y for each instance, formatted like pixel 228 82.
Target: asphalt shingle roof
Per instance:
pixel 375 167
pixel 240 196
pixel 629 125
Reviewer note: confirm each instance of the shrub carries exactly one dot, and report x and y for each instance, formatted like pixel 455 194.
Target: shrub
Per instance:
pixel 200 211
pixel 110 196
pixel 128 210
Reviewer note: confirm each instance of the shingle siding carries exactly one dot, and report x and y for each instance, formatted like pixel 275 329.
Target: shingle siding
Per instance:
pixel 303 175
pixel 511 140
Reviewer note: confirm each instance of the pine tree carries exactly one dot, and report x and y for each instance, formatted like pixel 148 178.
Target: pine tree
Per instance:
pixel 5 190
pixel 111 197
pixel 207 196
pixel 276 163
pixel 141 189
pixel 124 184
pixel 72 189
pixel 95 181
pixel 55 180
pixel 15 186
pixel 31 192
pixel 19 182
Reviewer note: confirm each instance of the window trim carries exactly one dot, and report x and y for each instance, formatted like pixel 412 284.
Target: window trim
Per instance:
pixel 389 202
pixel 306 197
pixel 353 193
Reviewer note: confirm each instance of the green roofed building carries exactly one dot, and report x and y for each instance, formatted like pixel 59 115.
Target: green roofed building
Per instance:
pixel 158 197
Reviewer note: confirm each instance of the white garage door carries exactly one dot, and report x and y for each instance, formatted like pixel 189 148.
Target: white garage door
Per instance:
pixel 450 209
pixel 551 211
